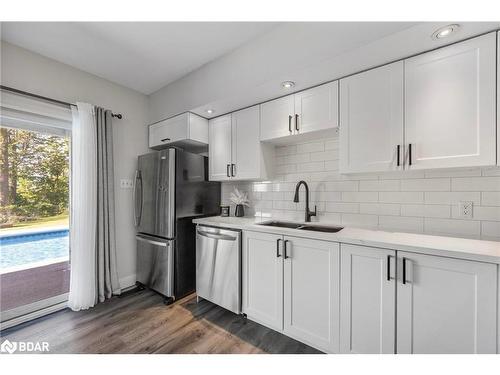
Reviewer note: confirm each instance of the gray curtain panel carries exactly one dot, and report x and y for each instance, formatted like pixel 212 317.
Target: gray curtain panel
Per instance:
pixel 107 274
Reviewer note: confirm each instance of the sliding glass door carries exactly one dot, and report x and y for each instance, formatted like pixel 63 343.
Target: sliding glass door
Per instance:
pixel 34 219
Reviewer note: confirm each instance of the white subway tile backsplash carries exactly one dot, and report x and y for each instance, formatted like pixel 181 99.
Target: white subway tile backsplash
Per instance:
pixel 400 223
pixel 310 147
pixel 342 207
pixel 426 184
pixel 412 201
pixel 490 230
pixel 380 208
pixel 342 186
pixel 452 197
pixel 401 197
pixel 426 210
pixel 379 185
pixel 316 166
pixel 450 227
pixel 359 196
pixel 490 198
pixel 475 184
pixel 366 221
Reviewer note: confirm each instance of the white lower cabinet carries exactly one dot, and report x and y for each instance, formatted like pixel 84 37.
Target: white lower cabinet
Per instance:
pixel 292 288
pixel 343 298
pixel 367 300
pixel 311 292
pixel 446 305
pixel 262 279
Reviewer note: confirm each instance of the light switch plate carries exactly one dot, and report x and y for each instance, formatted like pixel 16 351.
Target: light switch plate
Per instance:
pixel 126 184
pixel 466 209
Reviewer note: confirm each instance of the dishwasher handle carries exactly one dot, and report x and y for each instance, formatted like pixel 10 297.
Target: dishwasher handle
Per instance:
pixel 216 236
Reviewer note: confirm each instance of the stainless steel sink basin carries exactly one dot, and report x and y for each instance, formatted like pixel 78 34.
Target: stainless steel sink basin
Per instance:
pixel 318 228
pixel 281 224
pixel 314 228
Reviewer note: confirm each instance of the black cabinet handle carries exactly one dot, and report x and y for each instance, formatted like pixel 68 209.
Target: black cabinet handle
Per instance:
pixel 285 248
pixel 227 170
pixel 290 123
pixel 233 170
pixel 388 268
pixel 404 271
pixel 409 154
pixel 297 122
pixel 398 150
pixel 165 139
pixel 278 247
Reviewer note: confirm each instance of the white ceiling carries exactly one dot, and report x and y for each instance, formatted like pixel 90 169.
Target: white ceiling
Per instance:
pixel 142 56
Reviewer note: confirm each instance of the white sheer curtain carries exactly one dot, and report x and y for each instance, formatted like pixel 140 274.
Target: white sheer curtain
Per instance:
pixel 83 282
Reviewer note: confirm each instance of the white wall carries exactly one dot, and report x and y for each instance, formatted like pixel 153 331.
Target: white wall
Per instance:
pixel 28 71
pixel 412 201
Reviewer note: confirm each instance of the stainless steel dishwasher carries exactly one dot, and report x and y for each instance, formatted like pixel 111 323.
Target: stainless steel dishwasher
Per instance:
pixel 218 266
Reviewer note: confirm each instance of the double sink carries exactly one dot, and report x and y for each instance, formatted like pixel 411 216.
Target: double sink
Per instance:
pixel 314 228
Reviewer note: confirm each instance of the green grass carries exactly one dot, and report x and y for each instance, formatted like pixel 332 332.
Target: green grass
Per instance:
pixel 42 222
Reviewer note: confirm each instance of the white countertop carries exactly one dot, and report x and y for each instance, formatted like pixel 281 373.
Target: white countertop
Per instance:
pixel 479 250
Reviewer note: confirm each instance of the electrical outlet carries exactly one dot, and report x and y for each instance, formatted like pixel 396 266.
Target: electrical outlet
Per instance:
pixel 126 184
pixel 466 209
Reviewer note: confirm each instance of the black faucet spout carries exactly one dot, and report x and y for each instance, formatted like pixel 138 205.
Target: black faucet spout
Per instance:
pixel 308 213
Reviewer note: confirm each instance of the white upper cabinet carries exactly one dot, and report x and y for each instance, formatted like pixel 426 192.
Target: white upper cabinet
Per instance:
pixel 219 149
pixel 367 300
pixel 446 305
pixel 371 118
pixel 305 112
pixel 246 148
pixel 317 108
pixel 311 292
pixel 450 105
pixel 235 150
pixel 277 118
pixel 186 130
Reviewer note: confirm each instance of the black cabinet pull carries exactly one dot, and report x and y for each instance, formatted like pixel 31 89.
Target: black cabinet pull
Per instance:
pixel 404 271
pixel 165 139
pixel 233 169
pixel 285 248
pixel 297 122
pixel 409 154
pixel 398 150
pixel 388 268
pixel 278 247
pixel 227 170
pixel 290 123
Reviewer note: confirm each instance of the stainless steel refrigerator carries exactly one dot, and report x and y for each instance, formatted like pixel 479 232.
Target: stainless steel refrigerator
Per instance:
pixel 171 188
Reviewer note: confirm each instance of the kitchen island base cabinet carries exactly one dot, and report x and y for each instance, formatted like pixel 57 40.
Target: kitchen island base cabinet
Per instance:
pixel 262 279
pixel 446 305
pixel 367 300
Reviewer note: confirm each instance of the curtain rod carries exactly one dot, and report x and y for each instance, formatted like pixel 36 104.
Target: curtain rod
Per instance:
pixel 117 115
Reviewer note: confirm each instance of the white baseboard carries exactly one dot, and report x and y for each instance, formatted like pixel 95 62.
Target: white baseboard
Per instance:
pixel 127 281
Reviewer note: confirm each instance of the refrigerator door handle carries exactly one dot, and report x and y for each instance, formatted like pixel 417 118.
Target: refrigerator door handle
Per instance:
pixel 171 193
pixel 137 216
pixel 150 240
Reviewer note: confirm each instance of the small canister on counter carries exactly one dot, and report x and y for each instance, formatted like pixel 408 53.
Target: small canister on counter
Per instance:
pixel 224 211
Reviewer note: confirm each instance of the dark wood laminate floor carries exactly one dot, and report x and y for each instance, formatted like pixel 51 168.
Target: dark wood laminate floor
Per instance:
pixel 141 323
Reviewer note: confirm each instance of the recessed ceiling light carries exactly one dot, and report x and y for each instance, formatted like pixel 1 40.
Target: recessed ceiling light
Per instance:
pixel 287 84
pixel 445 31
pixel 209 111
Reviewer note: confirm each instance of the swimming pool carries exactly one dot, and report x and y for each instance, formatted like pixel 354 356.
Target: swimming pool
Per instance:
pixel 21 249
